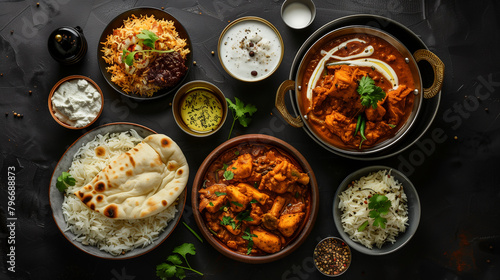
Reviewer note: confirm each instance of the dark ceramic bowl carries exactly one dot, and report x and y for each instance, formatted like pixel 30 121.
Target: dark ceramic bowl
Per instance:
pixel 262 140
pixel 413 211
pixel 118 22
pixel 56 198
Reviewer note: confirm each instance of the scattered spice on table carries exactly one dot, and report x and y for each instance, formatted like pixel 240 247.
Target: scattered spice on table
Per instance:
pixel 332 256
pixel 462 259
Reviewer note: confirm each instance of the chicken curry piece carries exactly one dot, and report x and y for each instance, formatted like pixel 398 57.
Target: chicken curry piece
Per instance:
pixel 255 199
pixel 335 104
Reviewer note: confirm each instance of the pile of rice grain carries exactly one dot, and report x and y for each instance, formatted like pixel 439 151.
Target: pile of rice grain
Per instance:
pixel 92 228
pixel 355 211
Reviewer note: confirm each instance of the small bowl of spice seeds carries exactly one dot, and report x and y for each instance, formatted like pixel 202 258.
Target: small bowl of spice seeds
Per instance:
pixel 332 256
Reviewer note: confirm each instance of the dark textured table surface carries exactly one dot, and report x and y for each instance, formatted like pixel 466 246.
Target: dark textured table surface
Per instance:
pixel 454 165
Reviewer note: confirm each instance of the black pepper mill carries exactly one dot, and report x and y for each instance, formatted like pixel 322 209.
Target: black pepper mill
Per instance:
pixel 67 45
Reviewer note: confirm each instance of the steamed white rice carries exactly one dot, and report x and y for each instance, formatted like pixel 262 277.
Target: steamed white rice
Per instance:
pixel 355 211
pixel 92 228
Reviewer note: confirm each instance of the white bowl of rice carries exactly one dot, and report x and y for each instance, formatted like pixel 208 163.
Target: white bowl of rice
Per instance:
pixel 351 210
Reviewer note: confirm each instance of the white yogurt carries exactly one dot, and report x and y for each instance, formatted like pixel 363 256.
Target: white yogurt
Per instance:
pixel 250 50
pixel 297 15
pixel 76 102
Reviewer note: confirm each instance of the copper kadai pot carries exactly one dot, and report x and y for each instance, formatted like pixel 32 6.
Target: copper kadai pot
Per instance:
pixel 411 59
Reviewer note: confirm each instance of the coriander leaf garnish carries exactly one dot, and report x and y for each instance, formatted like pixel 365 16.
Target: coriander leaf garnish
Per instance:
pixel 244 216
pixel 220 193
pixel 64 181
pixel 240 112
pixel 148 39
pixel 237 203
pixel 228 175
pixel 173 267
pixel 228 221
pixel 379 205
pixel 369 93
pixel 247 235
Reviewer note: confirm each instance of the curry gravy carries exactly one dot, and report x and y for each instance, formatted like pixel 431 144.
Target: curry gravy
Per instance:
pixel 377 59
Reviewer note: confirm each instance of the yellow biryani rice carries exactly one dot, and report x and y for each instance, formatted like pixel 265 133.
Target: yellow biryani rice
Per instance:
pixel 121 38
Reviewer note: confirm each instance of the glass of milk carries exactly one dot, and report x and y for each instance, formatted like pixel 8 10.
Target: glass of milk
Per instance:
pixel 298 14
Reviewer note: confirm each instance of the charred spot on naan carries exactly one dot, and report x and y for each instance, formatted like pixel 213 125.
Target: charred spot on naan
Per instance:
pixel 164 203
pixel 165 142
pixel 111 211
pixel 131 158
pixel 171 166
pixel 100 186
pixel 87 198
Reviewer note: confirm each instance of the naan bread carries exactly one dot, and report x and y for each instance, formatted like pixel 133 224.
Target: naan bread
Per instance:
pixel 139 183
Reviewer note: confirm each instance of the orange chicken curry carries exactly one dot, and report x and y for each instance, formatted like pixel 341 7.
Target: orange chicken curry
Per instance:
pixel 332 103
pixel 255 199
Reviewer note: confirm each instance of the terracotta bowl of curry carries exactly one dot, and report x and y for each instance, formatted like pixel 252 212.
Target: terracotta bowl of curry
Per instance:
pixel 359 90
pixel 255 198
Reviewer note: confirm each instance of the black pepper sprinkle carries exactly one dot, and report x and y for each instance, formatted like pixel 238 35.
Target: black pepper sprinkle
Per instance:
pixel 254 73
pixel 251 53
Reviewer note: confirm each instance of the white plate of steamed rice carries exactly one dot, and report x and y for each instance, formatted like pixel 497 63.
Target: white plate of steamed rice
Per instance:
pixel 93 232
pixel 351 210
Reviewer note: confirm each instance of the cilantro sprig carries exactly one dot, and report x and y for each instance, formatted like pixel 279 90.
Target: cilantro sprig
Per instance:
pixel 379 205
pixel 64 181
pixel 369 93
pixel 193 232
pixel 248 236
pixel 241 112
pixel 173 267
pixel 148 39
